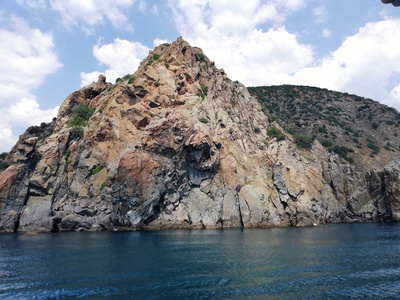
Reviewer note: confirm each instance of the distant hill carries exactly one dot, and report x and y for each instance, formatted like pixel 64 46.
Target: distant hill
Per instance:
pixel 361 131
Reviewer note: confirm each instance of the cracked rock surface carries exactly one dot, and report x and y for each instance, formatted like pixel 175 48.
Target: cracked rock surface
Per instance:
pixel 179 145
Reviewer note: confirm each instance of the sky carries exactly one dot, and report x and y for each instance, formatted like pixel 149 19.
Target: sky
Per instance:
pixel 51 48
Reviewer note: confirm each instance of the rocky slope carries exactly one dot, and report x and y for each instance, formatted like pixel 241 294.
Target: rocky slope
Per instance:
pixel 179 145
pixel 361 131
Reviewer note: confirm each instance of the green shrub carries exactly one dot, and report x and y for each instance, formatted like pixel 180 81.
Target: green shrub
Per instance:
pixel 257 130
pixel 69 161
pixel 370 144
pixel 67 153
pixel 103 185
pixel 97 170
pixel 132 80
pixel 326 143
pixel 309 159
pixel 203 120
pixel 80 115
pixel 118 80
pixel 3 165
pixel 156 56
pixel 201 57
pixel 126 77
pixel 375 125
pixel 303 141
pixel 389 122
pixel 76 132
pixel 3 155
pixel 274 132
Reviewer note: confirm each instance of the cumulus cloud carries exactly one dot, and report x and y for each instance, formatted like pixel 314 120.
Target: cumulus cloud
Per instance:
pixel 363 64
pixel 229 33
pixel 121 57
pixel 92 12
pixel 26 56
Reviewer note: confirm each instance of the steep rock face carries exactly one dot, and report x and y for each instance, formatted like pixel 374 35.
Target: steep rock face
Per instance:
pixel 179 145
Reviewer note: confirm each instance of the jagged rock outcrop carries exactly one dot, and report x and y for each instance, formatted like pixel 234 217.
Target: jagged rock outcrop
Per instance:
pixel 179 145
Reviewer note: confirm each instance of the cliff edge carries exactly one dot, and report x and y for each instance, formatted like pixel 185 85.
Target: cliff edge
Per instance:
pixel 179 145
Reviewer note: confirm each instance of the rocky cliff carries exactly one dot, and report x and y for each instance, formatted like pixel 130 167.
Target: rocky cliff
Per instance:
pixel 179 145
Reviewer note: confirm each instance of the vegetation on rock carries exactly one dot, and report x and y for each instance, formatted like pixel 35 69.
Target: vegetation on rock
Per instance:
pixel 79 118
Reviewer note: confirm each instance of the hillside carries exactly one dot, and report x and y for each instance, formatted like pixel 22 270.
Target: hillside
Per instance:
pixel 177 144
pixel 361 131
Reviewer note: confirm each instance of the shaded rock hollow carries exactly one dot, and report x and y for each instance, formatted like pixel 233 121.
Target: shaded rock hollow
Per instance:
pixel 179 145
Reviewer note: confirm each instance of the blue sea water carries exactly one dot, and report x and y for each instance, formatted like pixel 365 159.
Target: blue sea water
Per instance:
pixel 341 261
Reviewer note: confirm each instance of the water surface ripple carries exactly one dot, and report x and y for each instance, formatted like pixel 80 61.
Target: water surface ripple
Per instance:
pixel 342 261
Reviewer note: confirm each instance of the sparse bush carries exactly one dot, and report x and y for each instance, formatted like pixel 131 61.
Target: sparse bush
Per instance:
pixel 132 80
pixel 201 57
pixel 203 120
pixel 257 130
pixel 103 185
pixel 3 165
pixel 80 115
pixel 76 132
pixel 326 143
pixel 203 91
pixel 97 170
pixel 274 132
pixel 126 77
pixel 303 141
pixel 370 144
pixel 67 153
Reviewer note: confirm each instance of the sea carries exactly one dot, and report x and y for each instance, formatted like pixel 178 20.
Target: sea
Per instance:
pixel 338 261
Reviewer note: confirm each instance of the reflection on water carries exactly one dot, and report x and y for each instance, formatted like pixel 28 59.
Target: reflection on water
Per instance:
pixel 342 261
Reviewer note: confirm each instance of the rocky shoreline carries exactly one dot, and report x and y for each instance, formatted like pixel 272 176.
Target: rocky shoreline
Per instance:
pixel 179 145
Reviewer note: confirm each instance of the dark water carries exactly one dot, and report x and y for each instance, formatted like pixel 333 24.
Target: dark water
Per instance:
pixel 334 262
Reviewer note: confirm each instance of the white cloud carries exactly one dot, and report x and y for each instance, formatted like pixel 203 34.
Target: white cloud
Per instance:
pixel 142 6
pixel 154 9
pixel 159 41
pixel 89 78
pixel 91 12
pixel 326 33
pixel 36 4
pixel 362 65
pixel 121 57
pixel 228 33
pixel 320 14
pixel 28 109
pixel 26 57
